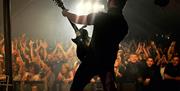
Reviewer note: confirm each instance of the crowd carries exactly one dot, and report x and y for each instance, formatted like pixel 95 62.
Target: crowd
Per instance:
pixel 140 66
pixel 35 61
pixel 145 66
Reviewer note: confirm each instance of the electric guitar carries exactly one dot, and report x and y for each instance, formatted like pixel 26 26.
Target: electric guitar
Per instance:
pixel 82 39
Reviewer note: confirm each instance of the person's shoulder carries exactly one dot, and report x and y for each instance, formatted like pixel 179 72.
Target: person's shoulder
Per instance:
pixel 169 66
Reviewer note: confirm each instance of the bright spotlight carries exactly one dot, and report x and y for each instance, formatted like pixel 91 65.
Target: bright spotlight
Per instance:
pixel 89 7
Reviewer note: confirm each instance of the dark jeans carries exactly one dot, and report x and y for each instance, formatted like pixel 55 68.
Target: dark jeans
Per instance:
pixel 86 71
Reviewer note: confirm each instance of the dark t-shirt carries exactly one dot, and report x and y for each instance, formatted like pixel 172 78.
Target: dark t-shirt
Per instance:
pixel 132 73
pixel 109 30
pixel 172 70
pixel 153 73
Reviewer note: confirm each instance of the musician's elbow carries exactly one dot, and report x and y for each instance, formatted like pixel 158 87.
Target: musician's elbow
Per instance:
pixel 81 20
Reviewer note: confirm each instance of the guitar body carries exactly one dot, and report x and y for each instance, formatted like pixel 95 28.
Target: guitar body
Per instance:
pixel 82 41
pixel 82 48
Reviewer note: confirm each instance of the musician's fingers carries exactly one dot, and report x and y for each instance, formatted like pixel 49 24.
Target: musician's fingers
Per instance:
pixel 64 12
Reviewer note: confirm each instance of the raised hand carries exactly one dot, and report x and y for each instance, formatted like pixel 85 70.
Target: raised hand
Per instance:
pixel 44 44
pixel 31 43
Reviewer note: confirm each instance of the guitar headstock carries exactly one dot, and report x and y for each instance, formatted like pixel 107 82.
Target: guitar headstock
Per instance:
pixel 60 3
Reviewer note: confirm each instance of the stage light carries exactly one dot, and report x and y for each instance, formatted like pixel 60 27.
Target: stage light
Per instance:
pixel 88 7
pixel 85 7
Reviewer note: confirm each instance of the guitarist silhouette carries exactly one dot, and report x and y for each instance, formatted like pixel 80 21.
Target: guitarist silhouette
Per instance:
pixel 108 31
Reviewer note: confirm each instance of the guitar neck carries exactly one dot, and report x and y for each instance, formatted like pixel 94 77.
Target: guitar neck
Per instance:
pixel 72 24
pixel 61 5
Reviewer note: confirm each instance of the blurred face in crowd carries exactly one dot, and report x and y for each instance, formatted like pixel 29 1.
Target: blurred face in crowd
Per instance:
pixel 133 58
pixel 65 68
pixel 149 62
pixel 32 69
pixel 50 57
pixel 60 56
pixel 175 61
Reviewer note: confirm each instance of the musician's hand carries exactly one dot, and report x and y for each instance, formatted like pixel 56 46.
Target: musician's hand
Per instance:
pixel 65 12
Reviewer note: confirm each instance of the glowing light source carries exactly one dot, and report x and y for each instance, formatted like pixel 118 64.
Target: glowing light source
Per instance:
pixel 88 7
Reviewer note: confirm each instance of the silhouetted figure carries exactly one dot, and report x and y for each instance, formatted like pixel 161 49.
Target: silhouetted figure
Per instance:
pixel 109 29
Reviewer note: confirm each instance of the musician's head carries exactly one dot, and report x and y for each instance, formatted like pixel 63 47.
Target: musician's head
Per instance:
pixel 116 4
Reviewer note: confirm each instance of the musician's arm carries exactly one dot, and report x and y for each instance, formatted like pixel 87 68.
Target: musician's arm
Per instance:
pixel 79 19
